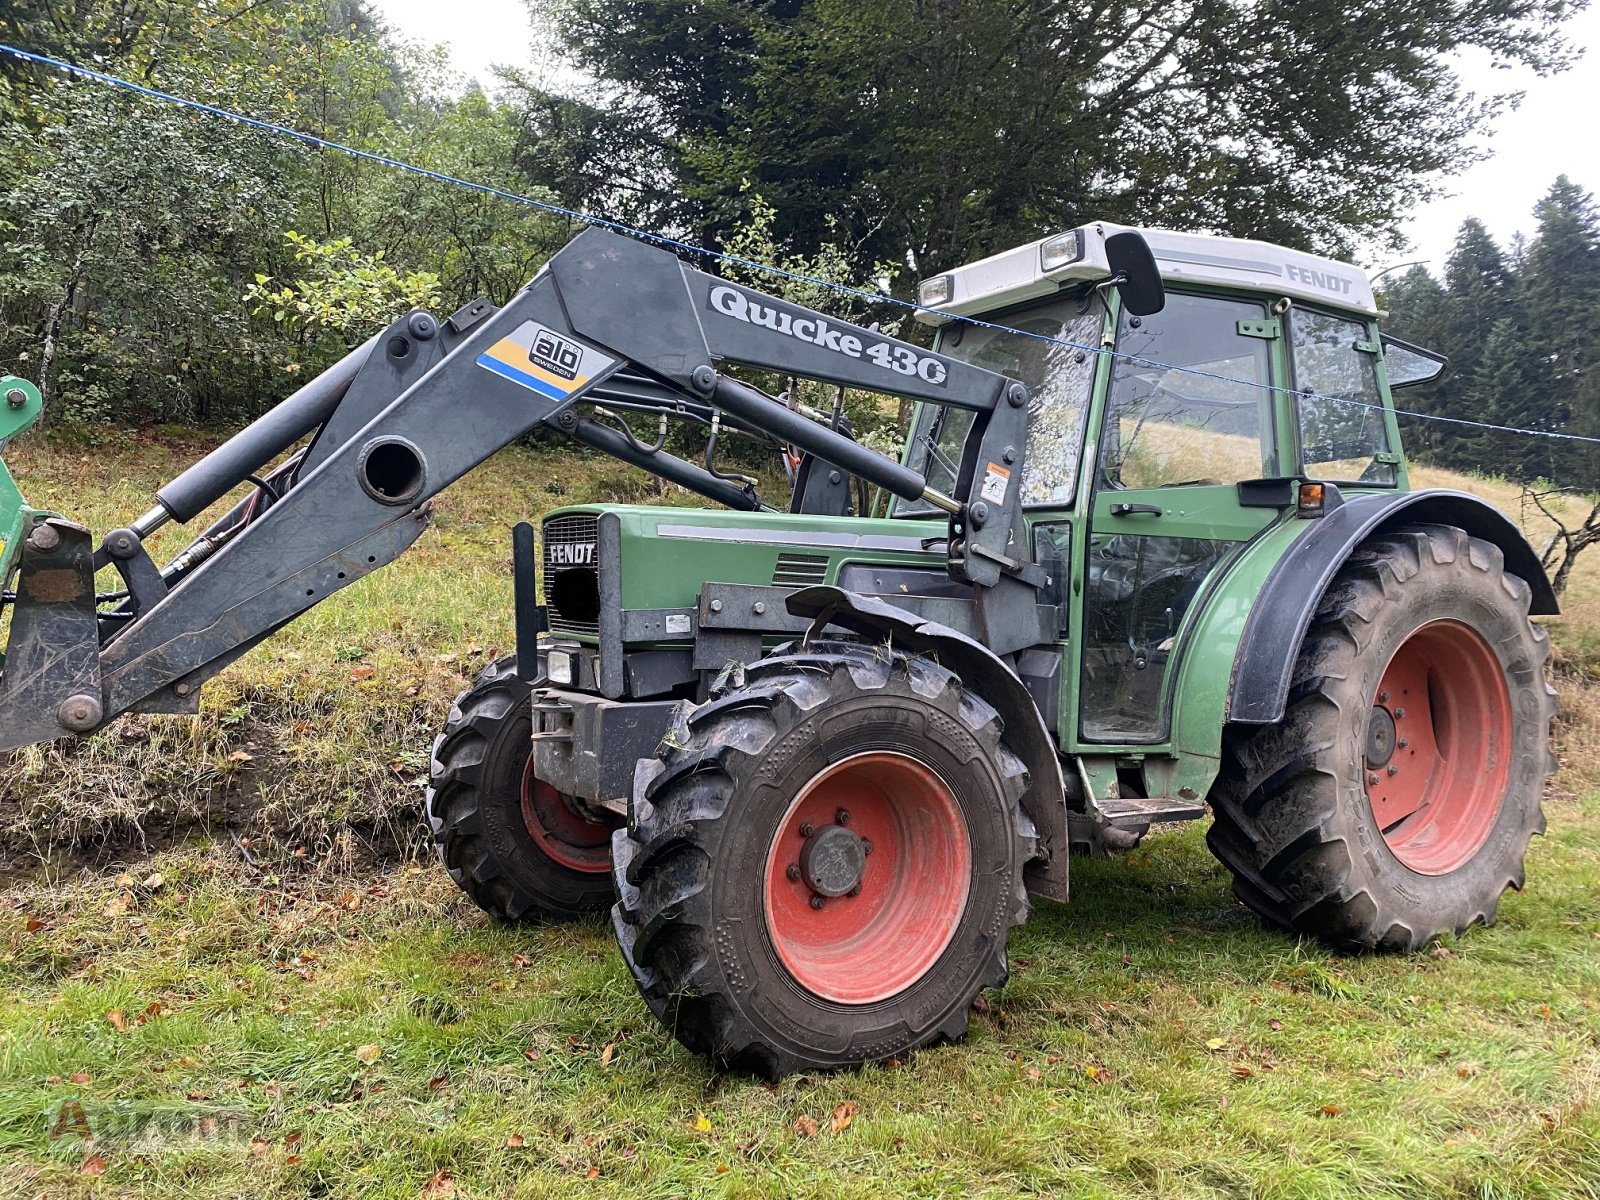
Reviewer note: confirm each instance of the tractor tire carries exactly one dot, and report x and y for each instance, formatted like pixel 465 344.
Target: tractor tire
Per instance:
pixel 824 863
pixel 519 848
pixel 1396 799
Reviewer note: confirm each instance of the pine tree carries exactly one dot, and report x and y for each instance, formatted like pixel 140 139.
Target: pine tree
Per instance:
pixel 1562 290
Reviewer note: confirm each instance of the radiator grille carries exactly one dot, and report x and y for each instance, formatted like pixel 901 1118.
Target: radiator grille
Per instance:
pixel 800 570
pixel 570 542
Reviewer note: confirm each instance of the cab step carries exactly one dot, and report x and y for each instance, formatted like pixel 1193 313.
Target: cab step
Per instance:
pixel 1140 811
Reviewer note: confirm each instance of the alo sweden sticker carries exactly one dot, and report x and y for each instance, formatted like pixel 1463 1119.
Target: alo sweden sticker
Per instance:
pixel 544 361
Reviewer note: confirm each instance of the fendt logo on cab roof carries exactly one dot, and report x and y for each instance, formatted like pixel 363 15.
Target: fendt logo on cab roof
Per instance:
pixel 903 360
pixel 1327 281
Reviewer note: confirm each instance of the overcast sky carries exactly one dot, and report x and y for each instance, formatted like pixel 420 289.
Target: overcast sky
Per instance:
pixel 1554 131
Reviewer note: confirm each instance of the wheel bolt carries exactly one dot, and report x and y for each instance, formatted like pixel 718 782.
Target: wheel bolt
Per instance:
pixel 856 891
pixel 793 872
pixel 1402 744
pixel 1398 713
pixel 1393 770
pixel 805 828
pixel 1372 780
pixel 817 902
pixel 842 817
pixel 1383 697
pixel 866 846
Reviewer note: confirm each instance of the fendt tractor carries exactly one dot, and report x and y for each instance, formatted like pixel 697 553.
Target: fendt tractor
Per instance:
pixel 1150 550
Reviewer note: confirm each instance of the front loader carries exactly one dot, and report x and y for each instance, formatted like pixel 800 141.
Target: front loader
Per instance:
pixel 1151 550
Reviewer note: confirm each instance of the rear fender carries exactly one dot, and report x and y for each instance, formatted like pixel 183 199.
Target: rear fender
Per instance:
pixel 1283 608
pixel 988 676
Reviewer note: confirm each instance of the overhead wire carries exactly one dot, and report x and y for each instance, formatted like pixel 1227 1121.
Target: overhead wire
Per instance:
pixel 722 256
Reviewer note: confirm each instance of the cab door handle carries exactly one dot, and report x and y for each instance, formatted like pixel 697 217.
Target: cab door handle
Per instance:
pixel 1134 510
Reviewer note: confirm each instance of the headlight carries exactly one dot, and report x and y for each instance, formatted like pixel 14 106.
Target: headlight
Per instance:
pixel 558 667
pixel 1060 250
pixel 941 289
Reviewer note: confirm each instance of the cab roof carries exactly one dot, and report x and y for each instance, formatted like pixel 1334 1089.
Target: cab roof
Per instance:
pixel 1065 260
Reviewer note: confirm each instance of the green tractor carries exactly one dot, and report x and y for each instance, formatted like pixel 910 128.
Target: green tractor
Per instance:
pixel 1151 551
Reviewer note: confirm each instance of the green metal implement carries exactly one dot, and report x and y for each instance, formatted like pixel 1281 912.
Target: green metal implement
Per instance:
pixel 20 406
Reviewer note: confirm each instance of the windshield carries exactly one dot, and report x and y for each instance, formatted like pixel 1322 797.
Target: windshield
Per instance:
pixel 1059 379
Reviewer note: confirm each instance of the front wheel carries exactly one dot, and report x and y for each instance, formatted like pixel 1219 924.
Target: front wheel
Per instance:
pixel 1396 799
pixel 824 864
pixel 521 849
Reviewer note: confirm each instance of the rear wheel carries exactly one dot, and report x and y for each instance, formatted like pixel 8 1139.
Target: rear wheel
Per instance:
pixel 1396 799
pixel 825 863
pixel 516 845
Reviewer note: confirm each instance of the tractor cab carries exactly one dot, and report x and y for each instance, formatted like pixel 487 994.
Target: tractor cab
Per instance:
pixel 1163 443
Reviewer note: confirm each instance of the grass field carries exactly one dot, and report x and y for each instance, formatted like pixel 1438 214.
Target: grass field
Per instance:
pixel 216 954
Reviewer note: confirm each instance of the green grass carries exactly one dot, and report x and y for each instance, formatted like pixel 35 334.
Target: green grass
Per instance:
pixel 1153 1040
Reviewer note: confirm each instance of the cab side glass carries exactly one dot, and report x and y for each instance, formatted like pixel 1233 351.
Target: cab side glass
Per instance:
pixel 1342 428
pixel 1190 400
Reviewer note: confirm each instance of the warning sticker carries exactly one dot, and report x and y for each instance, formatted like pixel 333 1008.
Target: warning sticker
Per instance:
pixel 544 361
pixel 996 479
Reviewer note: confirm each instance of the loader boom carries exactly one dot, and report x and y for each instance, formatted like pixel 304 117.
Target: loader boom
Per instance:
pixel 403 417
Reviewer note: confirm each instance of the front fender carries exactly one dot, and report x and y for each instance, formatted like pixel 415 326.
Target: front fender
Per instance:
pixel 1276 626
pixel 988 676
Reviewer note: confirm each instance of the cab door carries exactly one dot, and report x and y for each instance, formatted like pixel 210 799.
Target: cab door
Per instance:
pixel 1189 412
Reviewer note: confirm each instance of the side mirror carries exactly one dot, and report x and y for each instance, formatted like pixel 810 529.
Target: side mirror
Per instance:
pixel 1134 271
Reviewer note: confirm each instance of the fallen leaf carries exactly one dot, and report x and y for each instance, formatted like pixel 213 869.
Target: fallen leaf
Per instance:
pixel 1331 1110
pixel 805 1126
pixel 118 905
pixel 592 1173
pixel 258 1147
pixel 840 1120
pixel 607 1054
pixel 124 880
pixel 292 1138
pixel 154 881
pixel 78 1077
pixel 1243 1072
pixel 370 1053
pixel 1216 1043
pixel 531 1054
pixel 357 674
pixel 93 1165
pixel 292 1159
pixel 241 756
pixel 117 1021
pixel 701 1123
pixel 516 1142
pixel 722 1168
pixel 521 962
pixel 1274 1024
pixel 437 1082
pixel 440 1186
pixel 33 925
pixel 1035 1074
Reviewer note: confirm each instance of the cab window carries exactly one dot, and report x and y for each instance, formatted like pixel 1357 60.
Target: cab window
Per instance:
pixel 1190 399
pixel 1342 428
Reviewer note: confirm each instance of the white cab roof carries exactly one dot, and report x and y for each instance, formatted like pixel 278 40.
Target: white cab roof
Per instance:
pixel 1014 276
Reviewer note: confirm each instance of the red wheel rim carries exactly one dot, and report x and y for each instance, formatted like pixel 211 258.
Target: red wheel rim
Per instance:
pixel 561 831
pixel 1436 781
pixel 868 946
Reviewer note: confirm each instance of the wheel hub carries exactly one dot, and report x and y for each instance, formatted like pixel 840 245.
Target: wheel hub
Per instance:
pixel 833 861
pixel 1380 737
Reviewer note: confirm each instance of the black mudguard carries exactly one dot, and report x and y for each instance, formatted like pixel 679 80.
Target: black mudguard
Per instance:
pixel 987 675
pixel 1283 609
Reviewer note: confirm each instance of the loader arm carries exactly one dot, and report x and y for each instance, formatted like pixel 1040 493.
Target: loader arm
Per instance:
pixel 607 320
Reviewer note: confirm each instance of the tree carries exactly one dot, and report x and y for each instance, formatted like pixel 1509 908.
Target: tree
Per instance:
pixel 939 130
